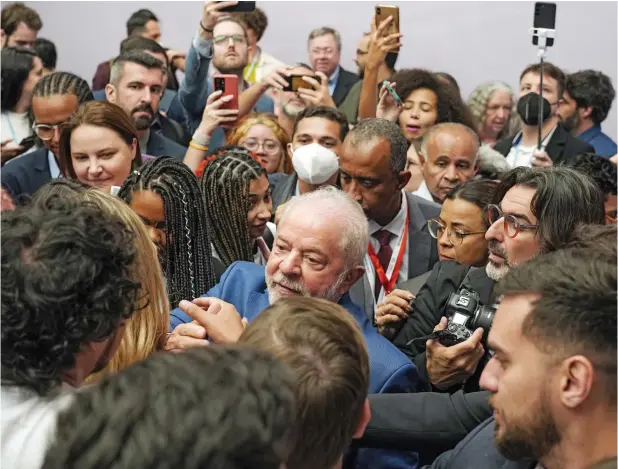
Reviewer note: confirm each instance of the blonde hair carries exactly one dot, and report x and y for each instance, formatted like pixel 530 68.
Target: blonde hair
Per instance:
pixel 270 121
pixel 477 103
pixel 146 331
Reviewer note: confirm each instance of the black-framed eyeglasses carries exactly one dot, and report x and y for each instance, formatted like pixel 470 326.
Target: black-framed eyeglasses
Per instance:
pixel 46 131
pixel 512 225
pixel 455 236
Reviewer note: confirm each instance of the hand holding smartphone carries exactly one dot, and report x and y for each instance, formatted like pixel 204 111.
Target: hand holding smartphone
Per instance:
pixel 296 82
pixel 382 12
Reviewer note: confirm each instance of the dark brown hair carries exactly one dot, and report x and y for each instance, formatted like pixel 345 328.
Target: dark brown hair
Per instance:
pixel 17 13
pixel 98 114
pixel 550 70
pixel 256 21
pixel 322 343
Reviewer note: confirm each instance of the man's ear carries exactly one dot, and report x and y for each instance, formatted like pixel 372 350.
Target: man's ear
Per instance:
pixel 421 158
pixel 586 112
pixel 3 37
pixel 111 93
pixel 403 178
pixel 351 277
pixel 577 379
pixel 364 421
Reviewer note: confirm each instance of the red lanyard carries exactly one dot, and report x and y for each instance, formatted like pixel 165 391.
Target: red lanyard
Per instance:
pixel 389 284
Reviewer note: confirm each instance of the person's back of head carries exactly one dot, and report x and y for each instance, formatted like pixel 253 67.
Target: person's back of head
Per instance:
pixel 66 282
pixel 46 50
pixel 323 345
pixel 136 24
pixel 215 407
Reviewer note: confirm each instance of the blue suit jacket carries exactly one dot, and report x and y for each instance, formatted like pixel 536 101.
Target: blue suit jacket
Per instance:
pixel 244 286
pixel 23 175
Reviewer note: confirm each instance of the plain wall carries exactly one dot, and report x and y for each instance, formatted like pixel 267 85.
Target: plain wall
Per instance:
pixel 474 41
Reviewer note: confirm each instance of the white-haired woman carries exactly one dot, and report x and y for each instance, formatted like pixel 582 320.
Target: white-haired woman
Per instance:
pixel 492 105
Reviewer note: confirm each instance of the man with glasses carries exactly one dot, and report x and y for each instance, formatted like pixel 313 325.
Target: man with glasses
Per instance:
pixel 137 83
pixel 55 98
pixel 535 211
pixel 448 158
pixel 221 39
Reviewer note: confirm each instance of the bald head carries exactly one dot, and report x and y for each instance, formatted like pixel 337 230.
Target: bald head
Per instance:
pixel 448 157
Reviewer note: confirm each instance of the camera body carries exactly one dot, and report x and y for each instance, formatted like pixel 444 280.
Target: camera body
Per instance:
pixel 465 314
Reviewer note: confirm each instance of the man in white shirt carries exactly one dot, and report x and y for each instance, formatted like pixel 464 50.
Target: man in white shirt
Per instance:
pixel 372 171
pixel 67 290
pixel 448 158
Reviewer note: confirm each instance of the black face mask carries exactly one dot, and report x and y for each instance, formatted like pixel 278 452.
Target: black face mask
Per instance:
pixel 528 109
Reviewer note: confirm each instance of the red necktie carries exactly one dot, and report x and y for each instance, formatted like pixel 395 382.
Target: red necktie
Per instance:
pixel 384 256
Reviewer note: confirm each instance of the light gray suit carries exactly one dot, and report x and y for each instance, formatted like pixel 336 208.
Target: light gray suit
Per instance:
pixel 422 250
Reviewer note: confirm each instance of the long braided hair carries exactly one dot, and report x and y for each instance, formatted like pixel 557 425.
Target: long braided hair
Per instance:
pixel 188 267
pixel 225 188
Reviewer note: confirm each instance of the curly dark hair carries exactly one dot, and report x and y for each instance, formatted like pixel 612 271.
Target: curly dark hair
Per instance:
pixel 218 407
pixel 451 108
pixel 591 88
pixel 600 169
pixel 66 282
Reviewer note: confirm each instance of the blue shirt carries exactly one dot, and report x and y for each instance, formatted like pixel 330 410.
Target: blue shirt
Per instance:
pixel 332 80
pixel 603 145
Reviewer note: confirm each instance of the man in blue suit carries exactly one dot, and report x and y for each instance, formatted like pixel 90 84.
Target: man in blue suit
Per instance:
pixel 318 252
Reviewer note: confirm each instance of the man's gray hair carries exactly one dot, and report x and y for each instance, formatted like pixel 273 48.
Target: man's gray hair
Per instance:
pixel 330 201
pixel 367 130
pixel 447 127
pixel 138 57
pixel 323 31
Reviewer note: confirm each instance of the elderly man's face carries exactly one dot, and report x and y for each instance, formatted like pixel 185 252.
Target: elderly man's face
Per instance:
pixel 307 258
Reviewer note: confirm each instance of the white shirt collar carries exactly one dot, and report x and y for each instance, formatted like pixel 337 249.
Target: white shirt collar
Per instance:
pixel 423 191
pixel 54 170
pixel 396 225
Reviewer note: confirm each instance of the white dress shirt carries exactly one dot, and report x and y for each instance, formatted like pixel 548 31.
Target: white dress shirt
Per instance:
pixel 521 155
pixel 423 191
pixel 397 228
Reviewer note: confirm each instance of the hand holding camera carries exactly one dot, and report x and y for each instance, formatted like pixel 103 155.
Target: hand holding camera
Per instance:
pixel 215 114
pixel 448 366
pixel 317 93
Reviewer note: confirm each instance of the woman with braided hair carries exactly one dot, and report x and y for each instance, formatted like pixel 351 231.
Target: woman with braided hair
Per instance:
pixel 165 194
pixel 238 202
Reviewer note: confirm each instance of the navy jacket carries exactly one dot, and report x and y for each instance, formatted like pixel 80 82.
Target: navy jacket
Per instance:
pixel 22 176
pixel 244 286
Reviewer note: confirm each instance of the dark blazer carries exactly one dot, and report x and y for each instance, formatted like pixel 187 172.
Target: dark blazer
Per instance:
pixel 345 82
pixel 561 148
pixel 23 175
pixel 426 422
pixel 159 145
pixel 478 451
pixel 428 307
pixel 284 189
pixel 422 250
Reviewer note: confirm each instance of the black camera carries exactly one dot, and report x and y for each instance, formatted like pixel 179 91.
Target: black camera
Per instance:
pixel 465 314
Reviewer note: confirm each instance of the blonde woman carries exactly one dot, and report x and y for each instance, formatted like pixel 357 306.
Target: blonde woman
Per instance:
pixel 492 105
pixel 146 331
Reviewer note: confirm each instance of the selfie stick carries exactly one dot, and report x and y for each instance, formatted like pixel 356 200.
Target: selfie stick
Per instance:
pixel 542 34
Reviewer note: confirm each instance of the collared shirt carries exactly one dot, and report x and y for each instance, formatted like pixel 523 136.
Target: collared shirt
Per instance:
pixel 423 191
pixel 143 142
pixel 603 145
pixel 54 170
pixel 332 80
pixel 396 227
pixel 258 257
pixel 297 191
pixel 522 155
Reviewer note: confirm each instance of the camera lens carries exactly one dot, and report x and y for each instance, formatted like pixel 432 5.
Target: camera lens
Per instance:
pixel 379 10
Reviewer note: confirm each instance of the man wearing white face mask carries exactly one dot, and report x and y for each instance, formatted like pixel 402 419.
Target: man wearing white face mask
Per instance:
pixel 317 137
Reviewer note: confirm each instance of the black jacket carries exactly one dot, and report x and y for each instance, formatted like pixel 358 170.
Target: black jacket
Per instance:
pixel 428 308
pixel 22 176
pixel 428 423
pixel 345 82
pixel 561 148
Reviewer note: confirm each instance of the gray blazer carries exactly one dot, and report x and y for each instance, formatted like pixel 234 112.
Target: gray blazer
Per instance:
pixel 422 250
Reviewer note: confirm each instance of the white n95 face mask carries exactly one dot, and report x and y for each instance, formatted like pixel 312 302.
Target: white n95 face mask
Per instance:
pixel 315 164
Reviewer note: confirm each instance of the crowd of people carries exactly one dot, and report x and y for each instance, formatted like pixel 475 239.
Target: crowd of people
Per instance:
pixel 367 272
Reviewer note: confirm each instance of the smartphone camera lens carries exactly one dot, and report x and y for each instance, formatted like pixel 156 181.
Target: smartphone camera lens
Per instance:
pixel 379 10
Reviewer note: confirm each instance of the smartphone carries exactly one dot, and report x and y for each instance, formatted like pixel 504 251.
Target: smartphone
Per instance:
pixel 545 18
pixel 28 142
pixel 228 84
pixel 242 7
pixel 296 82
pixel 392 92
pixel 382 13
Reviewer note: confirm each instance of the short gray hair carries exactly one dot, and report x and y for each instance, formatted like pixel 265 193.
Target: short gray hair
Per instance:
pixel 367 130
pixel 138 57
pixel 323 31
pixel 345 211
pixel 448 127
